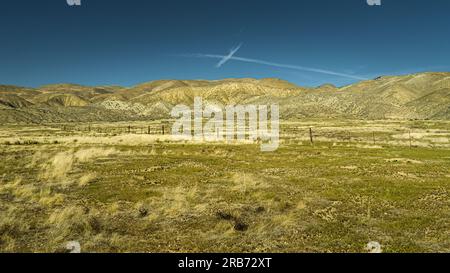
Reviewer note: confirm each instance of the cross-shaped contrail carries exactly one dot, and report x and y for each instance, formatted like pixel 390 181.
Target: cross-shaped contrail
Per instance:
pixel 231 56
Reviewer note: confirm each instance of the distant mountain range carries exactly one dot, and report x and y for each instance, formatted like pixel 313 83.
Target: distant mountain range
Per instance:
pixel 417 96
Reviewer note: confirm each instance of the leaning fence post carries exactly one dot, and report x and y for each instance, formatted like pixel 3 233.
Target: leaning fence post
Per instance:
pixel 410 141
pixel 311 136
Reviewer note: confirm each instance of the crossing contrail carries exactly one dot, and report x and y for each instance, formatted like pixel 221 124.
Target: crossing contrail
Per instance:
pixel 225 58
pixel 229 56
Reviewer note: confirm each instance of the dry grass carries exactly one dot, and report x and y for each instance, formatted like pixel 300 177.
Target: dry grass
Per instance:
pixel 134 193
pixel 57 167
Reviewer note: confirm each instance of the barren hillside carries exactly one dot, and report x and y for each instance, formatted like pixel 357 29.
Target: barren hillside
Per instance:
pixel 417 96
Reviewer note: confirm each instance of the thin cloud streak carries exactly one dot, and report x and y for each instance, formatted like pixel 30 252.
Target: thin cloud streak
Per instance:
pixel 229 56
pixel 279 65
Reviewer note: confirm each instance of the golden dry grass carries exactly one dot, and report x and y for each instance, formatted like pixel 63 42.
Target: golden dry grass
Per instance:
pixel 161 196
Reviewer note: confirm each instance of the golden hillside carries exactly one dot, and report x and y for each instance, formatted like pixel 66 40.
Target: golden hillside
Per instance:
pixel 416 96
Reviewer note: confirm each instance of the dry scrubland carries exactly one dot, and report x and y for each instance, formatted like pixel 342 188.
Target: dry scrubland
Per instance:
pixel 361 181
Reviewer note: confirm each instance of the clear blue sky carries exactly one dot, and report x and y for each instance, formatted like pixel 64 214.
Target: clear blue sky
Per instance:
pixel 125 42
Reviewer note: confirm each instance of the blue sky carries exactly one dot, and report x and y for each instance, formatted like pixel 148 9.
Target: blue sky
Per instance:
pixel 125 42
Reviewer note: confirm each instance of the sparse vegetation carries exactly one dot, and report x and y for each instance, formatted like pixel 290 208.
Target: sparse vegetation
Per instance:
pixel 411 97
pixel 146 193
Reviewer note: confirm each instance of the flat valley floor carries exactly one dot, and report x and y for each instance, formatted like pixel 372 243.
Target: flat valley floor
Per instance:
pixel 126 187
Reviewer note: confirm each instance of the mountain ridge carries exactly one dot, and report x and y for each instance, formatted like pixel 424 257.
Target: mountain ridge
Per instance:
pixel 413 96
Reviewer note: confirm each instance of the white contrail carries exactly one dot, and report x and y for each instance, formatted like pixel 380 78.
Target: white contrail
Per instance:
pixel 295 67
pixel 229 56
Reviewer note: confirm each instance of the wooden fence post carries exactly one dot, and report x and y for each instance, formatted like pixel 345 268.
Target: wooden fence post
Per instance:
pixel 410 141
pixel 311 136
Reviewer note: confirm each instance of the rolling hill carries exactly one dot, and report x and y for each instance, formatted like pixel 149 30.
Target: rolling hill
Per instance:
pixel 416 96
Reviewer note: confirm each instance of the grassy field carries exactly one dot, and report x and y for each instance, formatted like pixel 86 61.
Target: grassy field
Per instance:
pixel 115 188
